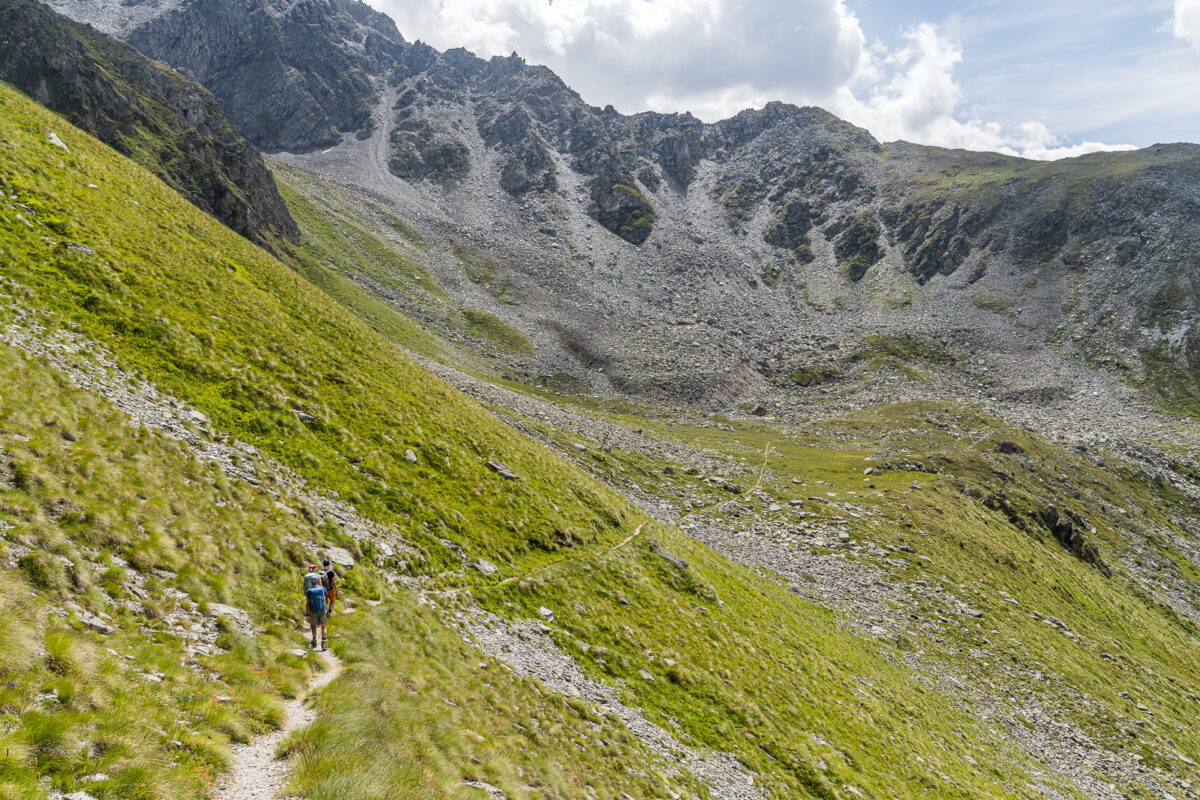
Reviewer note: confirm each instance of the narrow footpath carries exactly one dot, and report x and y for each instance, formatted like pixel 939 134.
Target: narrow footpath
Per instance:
pixel 255 772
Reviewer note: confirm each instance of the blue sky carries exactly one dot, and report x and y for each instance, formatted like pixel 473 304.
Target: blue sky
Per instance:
pixel 1042 79
pixel 1081 68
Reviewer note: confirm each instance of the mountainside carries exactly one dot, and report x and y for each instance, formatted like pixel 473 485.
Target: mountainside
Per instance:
pixel 656 255
pixel 204 422
pixel 168 122
pixel 749 460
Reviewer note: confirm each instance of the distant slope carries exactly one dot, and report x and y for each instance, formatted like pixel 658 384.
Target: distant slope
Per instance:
pixel 164 120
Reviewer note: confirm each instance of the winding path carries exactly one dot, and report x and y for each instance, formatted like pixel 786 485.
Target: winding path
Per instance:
pixel 255 771
pixel 762 471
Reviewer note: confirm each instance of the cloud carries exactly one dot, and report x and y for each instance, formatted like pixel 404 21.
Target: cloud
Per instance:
pixel 717 57
pixel 1187 21
pixel 911 94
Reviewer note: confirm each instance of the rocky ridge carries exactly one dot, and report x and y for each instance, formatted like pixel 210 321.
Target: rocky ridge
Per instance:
pixel 658 255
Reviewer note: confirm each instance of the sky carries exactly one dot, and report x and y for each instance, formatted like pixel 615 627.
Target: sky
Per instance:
pixel 1037 78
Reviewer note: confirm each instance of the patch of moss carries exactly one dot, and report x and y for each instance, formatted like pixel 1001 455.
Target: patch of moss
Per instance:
pixel 772 274
pixel 814 376
pixel 487 326
pixel 857 247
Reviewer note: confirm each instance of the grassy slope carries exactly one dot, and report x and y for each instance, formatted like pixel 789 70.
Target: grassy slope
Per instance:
pixel 85 493
pixel 217 322
pixel 1128 642
pixel 349 243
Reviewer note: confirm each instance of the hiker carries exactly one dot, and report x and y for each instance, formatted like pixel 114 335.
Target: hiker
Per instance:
pixel 316 607
pixel 329 580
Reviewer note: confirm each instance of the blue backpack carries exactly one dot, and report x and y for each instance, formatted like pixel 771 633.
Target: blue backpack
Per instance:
pixel 316 599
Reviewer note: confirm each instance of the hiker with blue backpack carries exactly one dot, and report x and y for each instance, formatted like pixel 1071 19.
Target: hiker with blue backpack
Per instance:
pixel 316 602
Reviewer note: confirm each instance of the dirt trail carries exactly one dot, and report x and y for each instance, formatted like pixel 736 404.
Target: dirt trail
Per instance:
pixel 255 772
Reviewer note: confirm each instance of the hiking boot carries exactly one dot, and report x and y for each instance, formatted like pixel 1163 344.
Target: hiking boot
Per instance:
pixel 314 641
pixel 323 645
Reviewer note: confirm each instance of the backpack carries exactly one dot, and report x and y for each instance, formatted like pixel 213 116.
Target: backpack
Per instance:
pixel 330 582
pixel 311 579
pixel 316 599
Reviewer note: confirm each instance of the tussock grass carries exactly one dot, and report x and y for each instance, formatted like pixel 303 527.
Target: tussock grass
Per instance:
pixel 417 712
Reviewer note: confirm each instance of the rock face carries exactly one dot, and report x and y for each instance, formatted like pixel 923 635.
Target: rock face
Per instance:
pixel 294 76
pixel 136 106
pixel 711 263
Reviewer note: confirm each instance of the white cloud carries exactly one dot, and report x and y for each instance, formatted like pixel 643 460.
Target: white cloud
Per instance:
pixel 911 94
pixel 625 52
pixel 717 57
pixel 1187 21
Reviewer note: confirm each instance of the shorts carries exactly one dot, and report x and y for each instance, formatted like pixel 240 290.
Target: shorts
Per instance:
pixel 317 620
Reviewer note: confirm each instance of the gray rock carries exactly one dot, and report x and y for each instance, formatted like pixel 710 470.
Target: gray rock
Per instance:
pixel 339 556
pixel 484 566
pixel 502 470
pixel 410 456
pixel 95 623
pixel 667 555
pixel 239 618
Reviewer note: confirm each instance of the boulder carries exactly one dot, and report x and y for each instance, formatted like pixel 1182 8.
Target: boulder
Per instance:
pixel 484 566
pixel 240 619
pixel 668 556
pixel 95 623
pixel 339 556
